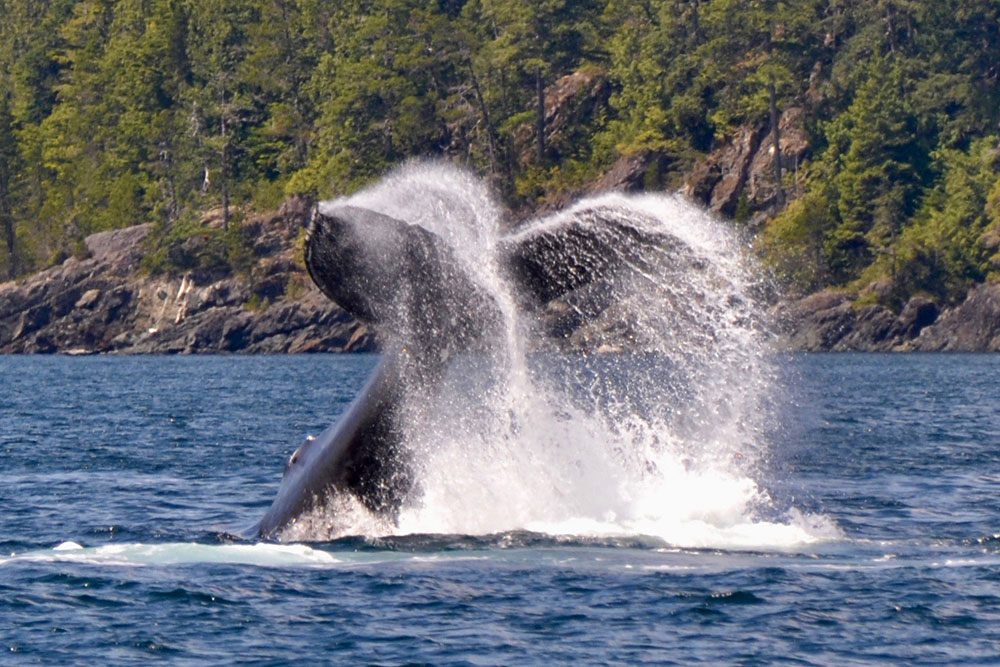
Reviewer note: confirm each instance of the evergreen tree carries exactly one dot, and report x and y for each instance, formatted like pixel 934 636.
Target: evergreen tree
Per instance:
pixel 220 105
pixel 282 53
pixel 941 253
pixel 379 93
pixel 119 111
pixel 530 44
pixel 879 164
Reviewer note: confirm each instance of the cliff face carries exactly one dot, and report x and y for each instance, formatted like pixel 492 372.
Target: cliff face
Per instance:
pixel 105 303
pixel 743 167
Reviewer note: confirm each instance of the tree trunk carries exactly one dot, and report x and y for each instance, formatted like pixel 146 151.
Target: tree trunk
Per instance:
pixel 7 219
pixel 776 138
pixel 540 113
pixel 491 133
pixel 10 239
pixel 224 175
pixel 8 174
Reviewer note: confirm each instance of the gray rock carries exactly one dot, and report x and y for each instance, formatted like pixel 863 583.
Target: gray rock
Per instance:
pixel 104 303
pixel 761 189
pixel 918 313
pixel 829 320
pixel 816 322
pixel 88 299
pixel 743 167
pixel 734 162
pixel 871 329
pixel 971 326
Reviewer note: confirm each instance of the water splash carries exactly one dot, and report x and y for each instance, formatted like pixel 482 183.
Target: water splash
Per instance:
pixel 637 404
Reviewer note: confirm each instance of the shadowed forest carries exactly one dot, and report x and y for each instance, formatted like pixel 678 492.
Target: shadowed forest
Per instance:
pixel 119 112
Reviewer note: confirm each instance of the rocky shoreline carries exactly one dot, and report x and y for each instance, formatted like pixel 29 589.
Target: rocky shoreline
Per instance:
pixel 105 303
pixel 830 321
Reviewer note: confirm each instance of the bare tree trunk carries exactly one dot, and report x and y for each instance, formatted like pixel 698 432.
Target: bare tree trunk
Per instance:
pixel 166 164
pixel 890 29
pixel 301 148
pixel 9 154
pixel 491 134
pixel 7 220
pixel 224 174
pixel 174 207
pixel 540 113
pixel 776 138
pixel 10 239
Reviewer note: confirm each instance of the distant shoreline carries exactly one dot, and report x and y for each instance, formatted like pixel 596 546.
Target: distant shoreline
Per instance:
pixel 106 304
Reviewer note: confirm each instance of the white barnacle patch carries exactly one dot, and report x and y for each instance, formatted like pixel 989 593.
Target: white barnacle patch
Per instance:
pixel 297 454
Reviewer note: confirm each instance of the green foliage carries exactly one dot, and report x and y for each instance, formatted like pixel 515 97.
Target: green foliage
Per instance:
pixel 941 252
pixel 192 245
pixel 114 112
pixel 9 170
pixel 257 304
pixel 295 288
pixel 794 242
pixel 875 166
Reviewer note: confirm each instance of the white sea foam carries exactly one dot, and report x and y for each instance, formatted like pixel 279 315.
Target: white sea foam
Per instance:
pixel 180 553
pixel 668 445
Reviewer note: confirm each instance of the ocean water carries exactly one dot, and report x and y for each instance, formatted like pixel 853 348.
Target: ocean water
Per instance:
pixel 869 531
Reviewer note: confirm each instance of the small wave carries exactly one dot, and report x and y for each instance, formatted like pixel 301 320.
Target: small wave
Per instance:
pixel 180 553
pixel 800 532
pixel 359 549
pixel 987 541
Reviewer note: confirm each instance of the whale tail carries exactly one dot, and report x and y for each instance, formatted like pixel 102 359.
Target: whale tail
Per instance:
pixel 409 285
pixel 403 281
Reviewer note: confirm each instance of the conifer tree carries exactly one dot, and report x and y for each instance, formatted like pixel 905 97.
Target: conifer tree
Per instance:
pixel 879 162
pixel 219 104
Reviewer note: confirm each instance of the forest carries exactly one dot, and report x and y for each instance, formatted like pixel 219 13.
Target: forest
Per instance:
pixel 116 112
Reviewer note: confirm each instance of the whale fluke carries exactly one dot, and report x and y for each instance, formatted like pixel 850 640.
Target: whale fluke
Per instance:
pixel 547 261
pixel 401 279
pixel 406 283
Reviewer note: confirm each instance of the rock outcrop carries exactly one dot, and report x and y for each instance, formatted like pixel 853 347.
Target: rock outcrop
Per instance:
pixel 106 303
pixel 761 191
pixel 743 167
pixel 971 326
pixel 629 173
pixel 830 320
pixel 571 102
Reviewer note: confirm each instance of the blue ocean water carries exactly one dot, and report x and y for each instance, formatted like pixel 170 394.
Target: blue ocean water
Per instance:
pixel 124 483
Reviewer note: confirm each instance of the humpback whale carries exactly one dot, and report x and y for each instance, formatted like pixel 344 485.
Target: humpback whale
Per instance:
pixel 404 281
pixel 409 285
